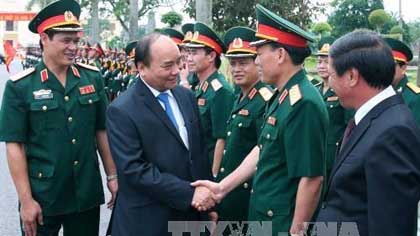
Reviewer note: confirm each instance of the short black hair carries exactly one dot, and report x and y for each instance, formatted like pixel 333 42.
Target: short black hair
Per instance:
pixel 297 55
pixel 50 34
pixel 217 60
pixel 367 52
pixel 142 51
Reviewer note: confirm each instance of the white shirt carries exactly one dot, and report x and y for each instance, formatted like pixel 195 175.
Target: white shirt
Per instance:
pixel 177 113
pixel 371 103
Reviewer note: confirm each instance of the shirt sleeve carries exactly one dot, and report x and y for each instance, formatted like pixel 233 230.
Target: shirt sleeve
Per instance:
pixel 13 115
pixel 220 110
pixel 307 125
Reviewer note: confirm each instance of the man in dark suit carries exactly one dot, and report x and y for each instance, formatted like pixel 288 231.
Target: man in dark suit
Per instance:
pixel 157 144
pixel 375 179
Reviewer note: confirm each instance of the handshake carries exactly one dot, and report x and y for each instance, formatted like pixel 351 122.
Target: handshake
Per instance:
pixel 207 194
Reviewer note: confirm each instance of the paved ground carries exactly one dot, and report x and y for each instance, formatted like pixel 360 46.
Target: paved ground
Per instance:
pixel 9 218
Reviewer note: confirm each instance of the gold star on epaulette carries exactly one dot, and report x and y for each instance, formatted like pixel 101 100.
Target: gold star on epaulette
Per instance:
pixel 294 94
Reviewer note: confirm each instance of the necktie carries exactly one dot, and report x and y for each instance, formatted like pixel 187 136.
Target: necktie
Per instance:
pixel 347 132
pixel 164 97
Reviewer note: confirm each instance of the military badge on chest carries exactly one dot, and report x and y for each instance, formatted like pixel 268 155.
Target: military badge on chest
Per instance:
pixel 43 94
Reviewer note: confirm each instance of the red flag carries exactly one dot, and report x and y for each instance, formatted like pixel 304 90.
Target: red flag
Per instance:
pixel 9 52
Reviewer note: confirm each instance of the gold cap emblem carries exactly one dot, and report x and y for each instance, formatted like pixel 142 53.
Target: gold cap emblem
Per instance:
pixel 68 16
pixel 196 34
pixel 237 43
pixel 188 35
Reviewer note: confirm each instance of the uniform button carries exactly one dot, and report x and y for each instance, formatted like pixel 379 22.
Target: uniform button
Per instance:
pixel 73 141
pixel 331 106
pixel 224 152
pixel 75 163
pixel 260 146
pixel 233 116
pixel 66 98
pixel 44 108
pixel 229 133
pixel 90 101
pixel 70 119
pixel 240 124
pixel 336 144
pixel 222 170
pixel 270 213
pixel 39 175
pixel 256 168
pixel 323 205
pixel 252 190
pixel 268 136
pixel 245 185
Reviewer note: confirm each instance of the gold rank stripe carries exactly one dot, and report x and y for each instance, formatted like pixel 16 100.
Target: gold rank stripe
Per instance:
pixel 295 94
pixel 204 86
pixel 413 87
pixel 283 96
pixel 252 93
pixel 216 84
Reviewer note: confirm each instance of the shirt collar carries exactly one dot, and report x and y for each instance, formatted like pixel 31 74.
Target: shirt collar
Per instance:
pixel 154 91
pixel 371 103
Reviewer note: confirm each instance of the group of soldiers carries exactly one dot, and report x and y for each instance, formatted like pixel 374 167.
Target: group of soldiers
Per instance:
pixel 289 131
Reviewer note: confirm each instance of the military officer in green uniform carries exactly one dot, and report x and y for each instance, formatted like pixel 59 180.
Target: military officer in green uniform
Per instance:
pixel 338 115
pixel 288 163
pixel 95 54
pixel 132 72
pixel 214 94
pixel 408 90
pixel 53 122
pixel 246 119
pixel 192 79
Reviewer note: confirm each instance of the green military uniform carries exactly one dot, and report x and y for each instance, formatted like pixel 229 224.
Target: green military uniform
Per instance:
pixel 292 141
pixel 215 101
pixel 243 128
pixel 411 95
pixel 409 91
pixel 214 94
pixel 57 126
pixel 338 115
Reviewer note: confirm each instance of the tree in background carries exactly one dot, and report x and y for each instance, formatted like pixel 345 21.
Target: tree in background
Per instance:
pixel 349 15
pixel 171 18
pixel 230 13
pixel 322 28
pixel 378 18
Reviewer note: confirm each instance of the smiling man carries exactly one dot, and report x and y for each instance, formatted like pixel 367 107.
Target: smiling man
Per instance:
pixel 53 122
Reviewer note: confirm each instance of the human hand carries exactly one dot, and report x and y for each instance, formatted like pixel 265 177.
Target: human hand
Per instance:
pixel 113 189
pixel 203 199
pixel 31 215
pixel 216 188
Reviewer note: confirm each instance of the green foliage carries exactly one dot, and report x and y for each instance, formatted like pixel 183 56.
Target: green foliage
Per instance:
pixel 116 42
pixel 378 18
pixel 172 18
pixel 349 15
pixel 230 13
pixel 322 28
pixel 396 30
pixel 414 29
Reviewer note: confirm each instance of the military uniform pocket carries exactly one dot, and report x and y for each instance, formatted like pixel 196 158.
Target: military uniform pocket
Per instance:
pixel 44 114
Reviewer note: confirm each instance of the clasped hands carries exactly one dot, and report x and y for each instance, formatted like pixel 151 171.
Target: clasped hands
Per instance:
pixel 207 194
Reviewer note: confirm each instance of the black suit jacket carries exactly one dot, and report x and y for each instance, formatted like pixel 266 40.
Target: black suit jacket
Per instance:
pixel 154 166
pixel 375 180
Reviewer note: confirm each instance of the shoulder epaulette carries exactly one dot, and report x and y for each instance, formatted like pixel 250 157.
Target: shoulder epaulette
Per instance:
pixel 318 84
pixel 216 84
pixel 413 87
pixel 94 68
pixel 265 93
pixel 310 78
pixel 294 94
pixel 22 74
